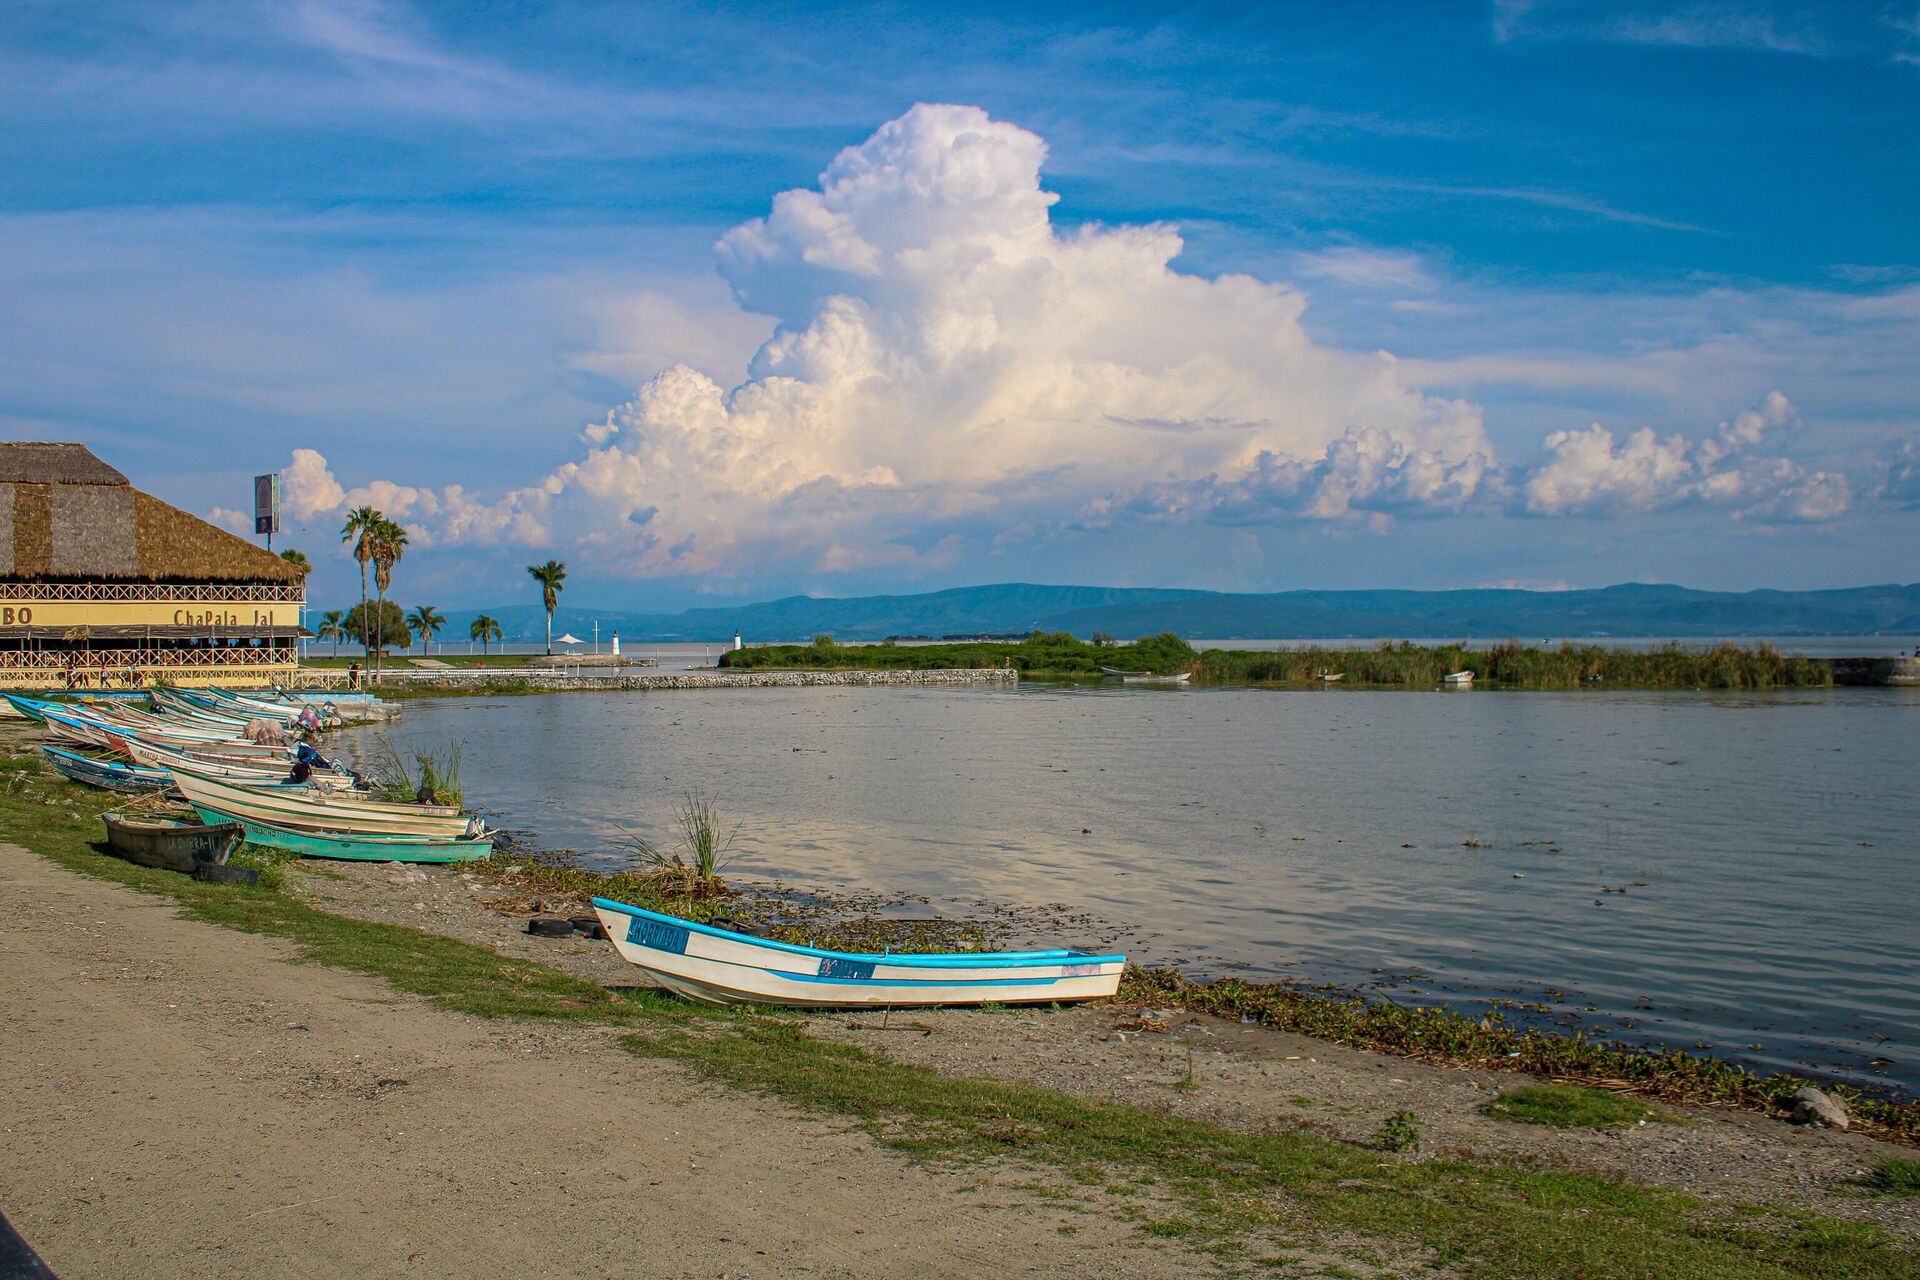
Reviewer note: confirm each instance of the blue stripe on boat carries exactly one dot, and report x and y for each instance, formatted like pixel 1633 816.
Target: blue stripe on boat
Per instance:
pixel 965 960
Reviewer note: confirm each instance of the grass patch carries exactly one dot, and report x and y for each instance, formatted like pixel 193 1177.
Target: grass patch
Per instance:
pixel 1571 1106
pixel 1446 1036
pixel 1894 1176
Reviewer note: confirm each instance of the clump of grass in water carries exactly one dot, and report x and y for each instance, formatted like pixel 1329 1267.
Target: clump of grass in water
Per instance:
pixel 696 873
pixel 1894 1176
pixel 1570 1106
pixel 438 772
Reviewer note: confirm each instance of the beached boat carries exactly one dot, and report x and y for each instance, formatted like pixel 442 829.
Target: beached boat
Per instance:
pixel 304 809
pixel 249 769
pixel 720 966
pixel 1457 678
pixel 109 774
pixel 170 844
pixel 1330 677
pixel 355 848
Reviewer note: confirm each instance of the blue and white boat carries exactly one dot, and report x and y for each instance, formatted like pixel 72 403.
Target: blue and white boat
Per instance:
pixel 106 773
pixel 719 966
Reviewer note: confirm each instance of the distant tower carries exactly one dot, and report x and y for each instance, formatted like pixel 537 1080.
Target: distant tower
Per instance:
pixel 616 644
pixel 736 641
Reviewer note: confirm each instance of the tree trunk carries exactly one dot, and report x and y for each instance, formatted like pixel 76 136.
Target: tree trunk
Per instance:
pixel 549 633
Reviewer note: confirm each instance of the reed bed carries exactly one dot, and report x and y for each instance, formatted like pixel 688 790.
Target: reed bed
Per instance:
pixel 1512 665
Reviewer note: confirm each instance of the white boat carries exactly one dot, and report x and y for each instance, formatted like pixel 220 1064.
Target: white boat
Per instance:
pixel 720 966
pixel 1147 677
pixel 303 809
pixel 1458 679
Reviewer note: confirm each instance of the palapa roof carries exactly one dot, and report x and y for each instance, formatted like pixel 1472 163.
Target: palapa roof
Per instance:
pixel 67 516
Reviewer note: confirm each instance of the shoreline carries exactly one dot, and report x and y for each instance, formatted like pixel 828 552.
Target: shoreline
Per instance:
pixel 1190 1105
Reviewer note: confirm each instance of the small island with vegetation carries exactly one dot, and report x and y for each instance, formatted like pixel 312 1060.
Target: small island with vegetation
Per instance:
pixel 1058 655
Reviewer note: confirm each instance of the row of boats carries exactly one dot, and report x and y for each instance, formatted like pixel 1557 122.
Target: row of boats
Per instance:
pixel 233 756
pixel 240 758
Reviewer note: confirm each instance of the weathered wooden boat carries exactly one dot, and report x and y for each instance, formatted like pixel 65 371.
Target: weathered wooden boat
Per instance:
pixel 303 809
pixel 356 848
pixel 720 966
pixel 108 774
pixel 172 845
pixel 250 769
pixel 1457 678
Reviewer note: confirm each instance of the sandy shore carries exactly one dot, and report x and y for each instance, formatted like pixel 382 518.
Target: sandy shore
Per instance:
pixel 1245 1077
pixel 181 1100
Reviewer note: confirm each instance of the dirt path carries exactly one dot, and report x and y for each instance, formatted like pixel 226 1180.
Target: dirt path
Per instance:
pixel 180 1100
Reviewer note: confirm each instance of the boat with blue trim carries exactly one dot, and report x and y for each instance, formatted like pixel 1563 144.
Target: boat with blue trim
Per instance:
pixel 721 966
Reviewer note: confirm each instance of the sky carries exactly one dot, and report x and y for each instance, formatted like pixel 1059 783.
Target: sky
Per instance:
pixel 718 303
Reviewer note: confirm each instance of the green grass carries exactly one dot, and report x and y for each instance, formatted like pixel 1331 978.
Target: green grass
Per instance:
pixel 1209 1184
pixel 1894 1176
pixel 1390 665
pixel 1569 1106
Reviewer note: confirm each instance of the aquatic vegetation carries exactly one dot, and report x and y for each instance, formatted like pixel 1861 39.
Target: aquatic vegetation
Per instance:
pixel 696 872
pixel 1571 1106
pixel 437 771
pixel 1400 665
pixel 1041 654
pixel 1518 666
pixel 1444 1036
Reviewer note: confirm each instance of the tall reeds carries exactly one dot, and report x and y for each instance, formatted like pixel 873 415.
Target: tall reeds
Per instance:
pixel 692 870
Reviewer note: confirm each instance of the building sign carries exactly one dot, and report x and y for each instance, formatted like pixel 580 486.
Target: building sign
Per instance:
pixel 237 618
pixel 266 504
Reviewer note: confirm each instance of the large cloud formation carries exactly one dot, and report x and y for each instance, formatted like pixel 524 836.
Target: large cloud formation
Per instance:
pixel 946 361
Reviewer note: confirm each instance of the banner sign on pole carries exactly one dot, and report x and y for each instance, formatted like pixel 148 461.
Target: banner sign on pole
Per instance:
pixel 266 504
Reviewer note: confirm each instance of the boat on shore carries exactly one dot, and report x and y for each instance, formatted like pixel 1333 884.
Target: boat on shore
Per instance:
pixel 1458 679
pixel 170 844
pixel 350 847
pixel 109 775
pixel 721 966
pixel 300 808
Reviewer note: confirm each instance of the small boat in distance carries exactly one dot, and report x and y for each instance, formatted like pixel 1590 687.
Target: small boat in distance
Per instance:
pixel 1328 677
pixel 1146 677
pixel 721 966
pixel 1458 679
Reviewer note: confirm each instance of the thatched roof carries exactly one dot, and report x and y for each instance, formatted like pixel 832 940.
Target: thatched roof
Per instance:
pixel 66 515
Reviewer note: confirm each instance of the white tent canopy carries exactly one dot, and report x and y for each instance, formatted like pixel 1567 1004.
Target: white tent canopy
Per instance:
pixel 569 638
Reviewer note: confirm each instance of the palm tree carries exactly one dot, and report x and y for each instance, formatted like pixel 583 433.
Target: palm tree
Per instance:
pixel 389 544
pixel 359 530
pixel 330 629
pixel 428 621
pixel 298 559
pixel 485 627
pixel 550 576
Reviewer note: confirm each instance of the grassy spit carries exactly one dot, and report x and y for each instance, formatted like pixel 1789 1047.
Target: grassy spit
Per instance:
pixel 1403 665
pixel 1252 1198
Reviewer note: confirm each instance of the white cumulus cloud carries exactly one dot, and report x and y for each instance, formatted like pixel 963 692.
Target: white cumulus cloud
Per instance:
pixel 948 364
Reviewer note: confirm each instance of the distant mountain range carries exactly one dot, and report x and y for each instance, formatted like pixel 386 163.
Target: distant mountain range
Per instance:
pixel 1631 609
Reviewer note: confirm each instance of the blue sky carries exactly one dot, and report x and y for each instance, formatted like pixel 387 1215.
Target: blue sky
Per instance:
pixel 1647 278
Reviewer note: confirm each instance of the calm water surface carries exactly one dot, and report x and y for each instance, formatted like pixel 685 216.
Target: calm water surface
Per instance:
pixel 1462 847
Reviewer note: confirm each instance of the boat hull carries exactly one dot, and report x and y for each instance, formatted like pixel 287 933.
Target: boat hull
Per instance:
pixel 173 846
pixel 298 809
pixel 719 966
pixel 105 774
pixel 351 848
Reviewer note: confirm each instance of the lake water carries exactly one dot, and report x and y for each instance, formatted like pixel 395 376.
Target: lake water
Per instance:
pixel 1452 846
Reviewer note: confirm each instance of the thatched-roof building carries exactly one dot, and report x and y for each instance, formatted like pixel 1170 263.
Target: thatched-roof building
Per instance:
pixel 101 582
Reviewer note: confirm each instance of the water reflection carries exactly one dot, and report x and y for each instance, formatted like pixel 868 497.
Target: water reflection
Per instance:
pixel 1731 869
